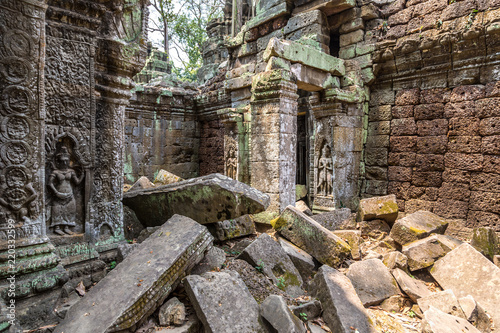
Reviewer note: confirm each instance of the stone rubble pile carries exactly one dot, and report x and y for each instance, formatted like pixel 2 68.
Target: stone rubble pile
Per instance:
pixel 376 271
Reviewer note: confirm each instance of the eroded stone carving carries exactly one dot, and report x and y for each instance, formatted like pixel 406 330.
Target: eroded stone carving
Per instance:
pixel 231 158
pixel 325 172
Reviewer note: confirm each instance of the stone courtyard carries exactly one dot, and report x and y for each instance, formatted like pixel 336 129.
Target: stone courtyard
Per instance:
pixel 335 168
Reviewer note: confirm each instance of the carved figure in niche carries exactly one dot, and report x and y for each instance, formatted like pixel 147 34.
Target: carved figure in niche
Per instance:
pixel 325 171
pixel 17 193
pixel 231 162
pixel 61 183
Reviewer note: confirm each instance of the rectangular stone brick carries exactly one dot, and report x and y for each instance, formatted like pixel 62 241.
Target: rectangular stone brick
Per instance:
pixel 489 126
pixel 352 37
pixel 460 109
pixel 491 145
pixel 488 107
pixel 432 127
pixel 379 128
pixel 403 143
pixel 414 205
pixel 456 176
pixel 436 95
pixel 454 191
pixel 399 189
pixel 464 126
pixel 404 126
pixel 402 159
pixel 377 141
pixel 429 162
pixel 432 144
pixel 488 182
pixel 429 111
pixel 408 97
pixel 376 173
pixel 452 209
pixel 376 156
pixel 477 219
pixel 381 112
pixel 470 162
pixel 484 201
pixel 382 97
pixel 467 93
pixel 402 111
pixel 398 173
pixel 464 144
pixel 427 178
pixel 376 187
pixel 491 163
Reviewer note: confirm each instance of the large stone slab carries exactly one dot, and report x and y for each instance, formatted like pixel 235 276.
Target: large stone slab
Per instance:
pixel 302 260
pixel 279 316
pixel 136 287
pixel 372 281
pixel 467 272
pixel 310 236
pixel 436 321
pixel 299 53
pixel 333 220
pixel 424 252
pixel 383 208
pixel 443 300
pixel 412 287
pixel 205 199
pixel 417 226
pixel 273 261
pixel 342 310
pixel 223 303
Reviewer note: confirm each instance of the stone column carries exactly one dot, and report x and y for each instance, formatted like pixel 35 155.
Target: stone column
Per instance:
pixel 274 138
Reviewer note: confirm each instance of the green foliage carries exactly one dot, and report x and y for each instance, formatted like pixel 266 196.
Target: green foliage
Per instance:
pixel 281 283
pixel 112 264
pixel 303 316
pixel 260 266
pixel 411 314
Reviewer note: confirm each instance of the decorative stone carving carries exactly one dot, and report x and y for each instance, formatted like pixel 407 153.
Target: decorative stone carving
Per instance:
pixel 231 158
pixel 325 172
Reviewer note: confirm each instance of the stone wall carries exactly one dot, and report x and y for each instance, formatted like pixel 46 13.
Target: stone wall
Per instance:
pixel 433 137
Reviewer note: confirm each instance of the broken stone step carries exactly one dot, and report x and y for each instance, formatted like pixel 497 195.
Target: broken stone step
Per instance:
pixel 342 309
pixel 424 252
pixel 310 236
pixel 136 287
pixel 206 199
pixel 275 311
pixel 223 303
pixel 417 226
pixel 436 321
pixel 467 272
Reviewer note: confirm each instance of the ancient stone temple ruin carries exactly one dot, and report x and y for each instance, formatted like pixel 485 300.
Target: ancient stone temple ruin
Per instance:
pixel 328 101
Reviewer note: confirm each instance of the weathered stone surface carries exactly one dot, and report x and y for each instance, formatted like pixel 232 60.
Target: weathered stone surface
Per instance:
pixel 414 288
pixel 374 228
pixel 205 199
pixel 298 53
pixel 302 260
pixel 266 253
pixel 436 321
pixel 486 241
pixel 342 310
pixel 173 312
pixel 465 267
pixel 417 226
pixel 372 281
pixel 475 314
pixel 333 220
pixel 301 205
pixel 383 208
pixel 164 178
pixel 394 303
pixel 229 229
pixel 424 252
pixel 277 313
pixel 395 259
pixel 309 78
pixel 132 227
pixel 310 236
pixel 310 309
pixel 217 295
pixel 214 258
pixel 300 192
pixel 141 184
pixel 191 325
pixel 138 285
pixel 329 7
pixel 353 238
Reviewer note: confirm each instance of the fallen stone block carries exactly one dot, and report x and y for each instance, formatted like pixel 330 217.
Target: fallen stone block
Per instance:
pixel 301 205
pixel 302 260
pixel 424 252
pixel 372 281
pixel 206 199
pixel 132 227
pixel 394 303
pixel 395 259
pixel 229 229
pixel 223 295
pixel 412 287
pixel 486 241
pixel 300 192
pixel 467 272
pixel 475 314
pixel 141 184
pixel 163 177
pixel 267 254
pixel 382 208
pixel 436 321
pixel 279 316
pixel 374 228
pixel 417 226
pixel 342 309
pixel 353 238
pixel 310 236
pixel 213 260
pixel 191 325
pixel 308 311
pixel 173 312
pixel 136 287
pixel 335 219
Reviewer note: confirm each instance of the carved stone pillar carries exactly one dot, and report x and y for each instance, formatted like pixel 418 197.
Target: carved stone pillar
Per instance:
pixel 274 137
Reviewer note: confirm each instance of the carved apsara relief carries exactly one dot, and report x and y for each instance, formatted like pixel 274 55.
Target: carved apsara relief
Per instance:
pixel 324 169
pixel 231 157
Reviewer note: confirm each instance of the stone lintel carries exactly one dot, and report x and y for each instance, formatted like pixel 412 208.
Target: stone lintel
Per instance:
pixel 329 7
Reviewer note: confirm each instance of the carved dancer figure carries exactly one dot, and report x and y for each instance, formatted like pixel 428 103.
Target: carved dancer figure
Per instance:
pixel 63 205
pixel 325 167
pixel 231 163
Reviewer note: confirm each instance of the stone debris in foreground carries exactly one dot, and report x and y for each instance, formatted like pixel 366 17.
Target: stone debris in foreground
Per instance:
pixel 229 229
pixel 272 260
pixel 372 281
pixel 302 260
pixel 414 288
pixel 424 252
pixel 342 309
pixel 475 314
pixel 279 316
pixel 310 236
pixel 443 300
pixel 436 321
pixel 172 312
pixel 486 241
pixel 467 272
pixel 140 284
pixel 417 226
pixel 333 220
pixel 164 178
pixel 141 184
pixel 381 208
pixel 223 303
pixel 206 199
